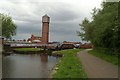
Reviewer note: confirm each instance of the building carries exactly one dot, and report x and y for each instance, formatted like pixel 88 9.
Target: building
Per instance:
pixel 34 39
pixel 45 32
pixel 45 29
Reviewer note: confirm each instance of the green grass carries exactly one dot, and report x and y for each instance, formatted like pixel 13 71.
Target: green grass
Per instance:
pixel 69 65
pixel 107 57
pixel 27 49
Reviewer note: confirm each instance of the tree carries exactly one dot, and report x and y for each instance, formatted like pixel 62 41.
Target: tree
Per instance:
pixel 85 30
pixel 8 26
pixel 103 30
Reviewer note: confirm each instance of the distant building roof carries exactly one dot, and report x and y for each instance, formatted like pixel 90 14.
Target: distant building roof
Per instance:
pixel 36 41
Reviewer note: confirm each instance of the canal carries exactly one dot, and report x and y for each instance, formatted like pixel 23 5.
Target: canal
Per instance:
pixel 28 65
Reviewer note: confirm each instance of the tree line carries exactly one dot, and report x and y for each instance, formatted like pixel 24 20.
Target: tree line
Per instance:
pixel 7 26
pixel 103 31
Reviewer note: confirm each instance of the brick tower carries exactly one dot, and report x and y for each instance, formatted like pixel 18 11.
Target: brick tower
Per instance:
pixel 45 29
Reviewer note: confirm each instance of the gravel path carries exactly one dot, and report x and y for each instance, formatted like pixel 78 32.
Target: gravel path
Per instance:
pixel 96 67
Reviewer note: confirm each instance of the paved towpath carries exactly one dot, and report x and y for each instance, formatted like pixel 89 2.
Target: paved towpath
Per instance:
pixel 96 67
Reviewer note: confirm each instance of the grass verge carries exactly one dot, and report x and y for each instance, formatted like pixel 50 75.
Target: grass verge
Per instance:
pixel 69 65
pixel 27 49
pixel 107 57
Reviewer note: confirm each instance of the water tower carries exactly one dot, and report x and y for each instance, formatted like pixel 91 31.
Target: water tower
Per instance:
pixel 45 29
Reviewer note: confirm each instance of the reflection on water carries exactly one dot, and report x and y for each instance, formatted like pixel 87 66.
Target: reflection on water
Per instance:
pixel 28 66
pixel 44 58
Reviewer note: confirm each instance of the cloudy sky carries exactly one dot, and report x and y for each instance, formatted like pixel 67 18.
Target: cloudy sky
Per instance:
pixel 65 16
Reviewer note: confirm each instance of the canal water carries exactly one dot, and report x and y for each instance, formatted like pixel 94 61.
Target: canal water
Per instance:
pixel 28 65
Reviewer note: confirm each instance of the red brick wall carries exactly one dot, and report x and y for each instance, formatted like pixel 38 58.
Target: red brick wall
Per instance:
pixel 45 32
pixel 32 37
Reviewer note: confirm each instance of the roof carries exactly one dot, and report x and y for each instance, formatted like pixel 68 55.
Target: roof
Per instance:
pixel 36 41
pixel 45 15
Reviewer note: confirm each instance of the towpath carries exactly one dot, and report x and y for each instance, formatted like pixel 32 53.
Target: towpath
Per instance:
pixel 96 67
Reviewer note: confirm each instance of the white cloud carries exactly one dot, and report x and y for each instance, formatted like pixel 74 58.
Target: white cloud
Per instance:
pixel 65 16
